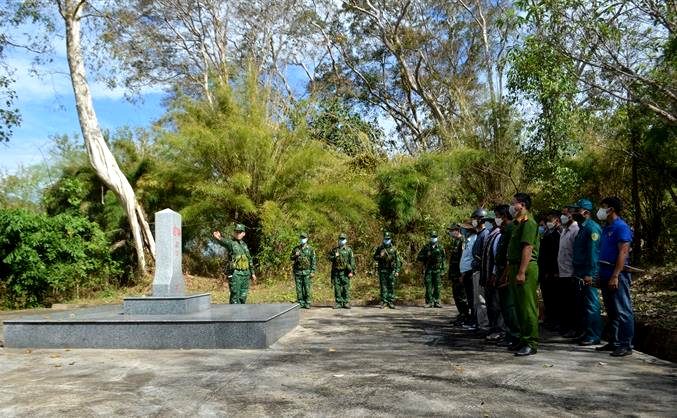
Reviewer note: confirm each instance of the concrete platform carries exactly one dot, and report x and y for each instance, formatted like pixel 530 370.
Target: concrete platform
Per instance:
pixel 221 326
pixel 167 305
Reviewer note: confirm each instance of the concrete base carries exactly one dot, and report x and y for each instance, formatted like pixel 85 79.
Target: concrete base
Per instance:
pixel 221 326
pixel 167 305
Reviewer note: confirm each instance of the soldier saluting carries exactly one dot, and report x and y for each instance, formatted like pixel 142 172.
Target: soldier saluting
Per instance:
pixel 342 269
pixel 240 265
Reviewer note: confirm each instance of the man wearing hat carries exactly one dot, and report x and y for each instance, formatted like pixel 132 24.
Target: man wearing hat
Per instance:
pixel 241 267
pixel 389 263
pixel 585 262
pixel 305 266
pixel 457 289
pixel 434 261
pixel 342 269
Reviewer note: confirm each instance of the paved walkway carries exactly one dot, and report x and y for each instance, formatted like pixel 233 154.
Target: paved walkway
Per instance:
pixel 363 362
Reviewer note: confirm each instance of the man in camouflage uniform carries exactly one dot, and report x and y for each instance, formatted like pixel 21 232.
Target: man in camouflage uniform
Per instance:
pixel 305 265
pixel 342 269
pixel 389 264
pixel 434 259
pixel 240 265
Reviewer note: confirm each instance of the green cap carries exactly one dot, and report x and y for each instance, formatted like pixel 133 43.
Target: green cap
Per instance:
pixel 342 236
pixel 387 235
pixel 303 235
pixel 584 204
pixel 239 228
pixel 433 234
pixel 454 225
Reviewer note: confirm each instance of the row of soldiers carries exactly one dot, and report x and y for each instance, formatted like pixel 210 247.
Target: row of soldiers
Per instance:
pixel 494 271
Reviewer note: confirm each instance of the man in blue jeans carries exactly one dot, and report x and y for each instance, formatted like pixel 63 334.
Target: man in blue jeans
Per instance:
pixel 614 280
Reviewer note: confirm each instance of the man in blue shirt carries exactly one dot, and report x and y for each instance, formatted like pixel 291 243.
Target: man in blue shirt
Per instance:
pixel 614 280
pixel 586 260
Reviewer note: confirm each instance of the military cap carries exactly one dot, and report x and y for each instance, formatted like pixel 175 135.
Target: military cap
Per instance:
pixel 342 236
pixel 239 228
pixel 584 204
pixel 479 213
pixel 454 225
pixel 303 235
pixel 387 235
pixel 433 234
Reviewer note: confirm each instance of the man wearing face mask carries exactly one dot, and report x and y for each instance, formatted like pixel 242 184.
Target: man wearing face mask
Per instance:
pixel 466 275
pixel 585 261
pixel 478 222
pixel 488 281
pixel 614 279
pixel 523 272
pixel 305 266
pixel 342 270
pixel 506 292
pixel 457 289
pixel 241 266
pixel 570 290
pixel 434 258
pixel 388 264
pixel 548 270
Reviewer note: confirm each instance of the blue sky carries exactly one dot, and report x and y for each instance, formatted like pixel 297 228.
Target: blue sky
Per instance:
pixel 48 108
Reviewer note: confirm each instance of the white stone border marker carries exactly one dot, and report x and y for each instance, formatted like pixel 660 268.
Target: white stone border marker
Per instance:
pixel 168 280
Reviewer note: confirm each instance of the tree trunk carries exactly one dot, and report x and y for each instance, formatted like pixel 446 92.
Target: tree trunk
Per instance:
pixel 100 157
pixel 634 141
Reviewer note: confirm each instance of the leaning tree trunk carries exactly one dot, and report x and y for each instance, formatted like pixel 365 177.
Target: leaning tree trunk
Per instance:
pixel 100 156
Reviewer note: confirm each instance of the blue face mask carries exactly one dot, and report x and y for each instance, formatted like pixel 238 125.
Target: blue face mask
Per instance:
pixel 433 240
pixel 342 242
pixel 541 229
pixel 303 241
pixel 387 241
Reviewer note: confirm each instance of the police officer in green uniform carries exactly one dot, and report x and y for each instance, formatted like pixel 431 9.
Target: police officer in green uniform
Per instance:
pixel 342 269
pixel 457 289
pixel 433 257
pixel 389 264
pixel 523 272
pixel 240 265
pixel 305 266
pixel 585 260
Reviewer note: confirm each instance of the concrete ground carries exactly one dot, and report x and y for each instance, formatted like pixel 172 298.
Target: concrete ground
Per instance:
pixel 362 362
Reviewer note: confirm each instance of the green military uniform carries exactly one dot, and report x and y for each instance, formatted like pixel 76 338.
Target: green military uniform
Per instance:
pixel 525 232
pixel 434 258
pixel 305 266
pixel 240 267
pixel 506 291
pixel 389 264
pixel 342 264
pixel 457 288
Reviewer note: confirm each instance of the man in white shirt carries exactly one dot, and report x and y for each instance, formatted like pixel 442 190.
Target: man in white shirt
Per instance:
pixel 569 285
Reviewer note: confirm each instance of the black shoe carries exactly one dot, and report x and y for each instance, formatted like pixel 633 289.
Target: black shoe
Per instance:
pixel 578 339
pixel 526 351
pixel 437 305
pixel 586 343
pixel 606 347
pixel 504 343
pixel 571 334
pixel 621 352
pixel 392 306
pixel 471 327
pixel 515 347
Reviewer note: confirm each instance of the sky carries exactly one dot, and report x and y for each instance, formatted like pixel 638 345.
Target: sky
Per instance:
pixel 47 108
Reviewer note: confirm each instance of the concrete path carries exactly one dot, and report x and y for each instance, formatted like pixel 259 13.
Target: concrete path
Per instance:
pixel 363 362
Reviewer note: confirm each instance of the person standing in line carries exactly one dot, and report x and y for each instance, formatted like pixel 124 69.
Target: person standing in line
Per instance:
pixel 305 265
pixel 433 257
pixel 388 264
pixel 342 270
pixel 569 287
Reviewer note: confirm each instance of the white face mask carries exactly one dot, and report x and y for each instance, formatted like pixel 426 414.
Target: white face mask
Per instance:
pixel 387 241
pixel 342 242
pixel 303 241
pixel 475 223
pixel 602 214
pixel 564 219
pixel 512 210
pixel 499 221
pixel 433 240
pixel 550 225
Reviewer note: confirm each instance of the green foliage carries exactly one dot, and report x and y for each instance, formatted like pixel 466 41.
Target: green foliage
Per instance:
pixel 46 258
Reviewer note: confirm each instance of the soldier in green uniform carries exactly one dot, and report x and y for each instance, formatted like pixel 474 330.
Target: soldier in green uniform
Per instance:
pixel 434 261
pixel 342 269
pixel 240 265
pixel 305 266
pixel 389 264
pixel 523 272
pixel 457 288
